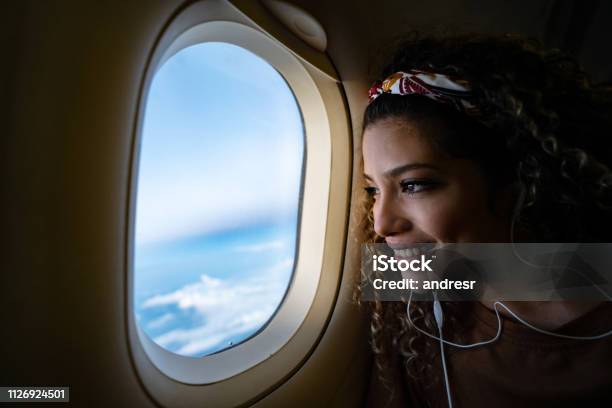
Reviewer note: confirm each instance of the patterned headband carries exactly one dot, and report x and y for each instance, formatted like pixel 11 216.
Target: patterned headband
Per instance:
pixel 438 87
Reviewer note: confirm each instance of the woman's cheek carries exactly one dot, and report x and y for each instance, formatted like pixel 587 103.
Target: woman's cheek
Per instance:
pixel 436 220
pixel 450 217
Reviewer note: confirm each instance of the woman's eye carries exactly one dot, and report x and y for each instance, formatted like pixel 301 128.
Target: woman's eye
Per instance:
pixel 413 187
pixel 371 191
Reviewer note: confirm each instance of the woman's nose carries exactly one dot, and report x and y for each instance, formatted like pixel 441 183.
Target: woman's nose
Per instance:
pixel 389 216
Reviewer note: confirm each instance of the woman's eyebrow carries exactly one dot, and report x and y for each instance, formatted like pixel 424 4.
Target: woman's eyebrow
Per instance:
pixel 396 171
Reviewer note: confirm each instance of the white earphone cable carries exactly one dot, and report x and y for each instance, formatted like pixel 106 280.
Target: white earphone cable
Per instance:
pixel 439 316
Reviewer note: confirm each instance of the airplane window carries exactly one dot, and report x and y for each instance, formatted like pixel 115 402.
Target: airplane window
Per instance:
pixel 218 198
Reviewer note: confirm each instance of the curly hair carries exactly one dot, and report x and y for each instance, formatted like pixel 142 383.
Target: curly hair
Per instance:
pixel 544 127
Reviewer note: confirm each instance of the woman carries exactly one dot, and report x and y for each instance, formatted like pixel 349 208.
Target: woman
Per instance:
pixel 472 139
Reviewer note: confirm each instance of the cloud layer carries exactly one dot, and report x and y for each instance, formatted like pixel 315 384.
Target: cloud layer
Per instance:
pixel 223 311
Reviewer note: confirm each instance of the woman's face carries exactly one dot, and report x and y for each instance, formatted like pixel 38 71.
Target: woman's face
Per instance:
pixel 422 195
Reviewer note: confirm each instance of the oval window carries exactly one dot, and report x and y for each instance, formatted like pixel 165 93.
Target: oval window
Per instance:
pixel 218 198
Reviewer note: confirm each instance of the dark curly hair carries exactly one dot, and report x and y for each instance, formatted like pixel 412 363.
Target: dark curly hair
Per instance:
pixel 543 128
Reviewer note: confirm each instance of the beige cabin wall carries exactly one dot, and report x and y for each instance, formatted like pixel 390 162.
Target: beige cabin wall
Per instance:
pixel 75 73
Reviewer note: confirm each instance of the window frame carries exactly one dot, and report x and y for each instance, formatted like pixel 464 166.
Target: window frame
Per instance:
pixel 265 360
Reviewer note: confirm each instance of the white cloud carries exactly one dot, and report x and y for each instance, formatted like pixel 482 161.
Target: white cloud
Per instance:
pixel 159 322
pixel 227 308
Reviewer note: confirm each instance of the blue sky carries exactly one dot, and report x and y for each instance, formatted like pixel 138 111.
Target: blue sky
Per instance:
pixel 221 145
pixel 217 199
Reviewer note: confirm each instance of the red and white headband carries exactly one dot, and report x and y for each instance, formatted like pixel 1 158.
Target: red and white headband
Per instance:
pixel 438 87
